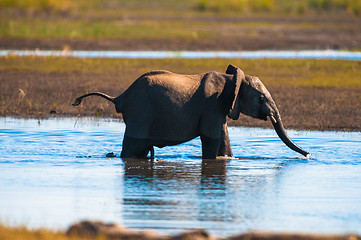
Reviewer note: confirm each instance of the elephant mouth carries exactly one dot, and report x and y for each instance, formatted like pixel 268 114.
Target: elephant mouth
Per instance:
pixel 263 117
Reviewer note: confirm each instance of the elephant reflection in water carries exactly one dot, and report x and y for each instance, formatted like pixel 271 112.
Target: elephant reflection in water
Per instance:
pixel 171 191
pixel 171 188
pixel 144 169
pixel 163 109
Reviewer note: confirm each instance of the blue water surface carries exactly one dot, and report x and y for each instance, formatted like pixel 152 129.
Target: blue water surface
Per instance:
pixel 54 172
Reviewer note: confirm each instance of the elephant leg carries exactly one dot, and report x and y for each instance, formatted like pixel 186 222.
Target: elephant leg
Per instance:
pixel 210 147
pixel 136 148
pixel 225 145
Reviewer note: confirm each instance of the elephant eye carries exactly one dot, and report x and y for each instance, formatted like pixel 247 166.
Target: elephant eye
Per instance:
pixel 261 99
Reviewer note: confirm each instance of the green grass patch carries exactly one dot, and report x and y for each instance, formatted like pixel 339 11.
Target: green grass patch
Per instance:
pixel 275 72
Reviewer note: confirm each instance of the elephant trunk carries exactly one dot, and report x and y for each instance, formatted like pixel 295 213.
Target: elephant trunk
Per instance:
pixel 281 132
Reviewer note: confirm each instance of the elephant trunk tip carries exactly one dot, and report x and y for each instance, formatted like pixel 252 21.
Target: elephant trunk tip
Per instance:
pixel 76 102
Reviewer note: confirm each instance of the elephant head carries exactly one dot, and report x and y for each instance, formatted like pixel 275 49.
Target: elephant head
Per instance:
pixel 253 99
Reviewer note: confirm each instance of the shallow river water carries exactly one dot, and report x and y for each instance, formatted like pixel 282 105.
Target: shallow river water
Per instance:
pixel 54 172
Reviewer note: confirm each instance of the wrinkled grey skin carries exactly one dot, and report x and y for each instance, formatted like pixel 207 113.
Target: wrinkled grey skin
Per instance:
pixel 162 109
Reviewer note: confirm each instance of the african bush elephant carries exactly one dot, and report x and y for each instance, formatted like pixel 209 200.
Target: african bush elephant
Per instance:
pixel 162 108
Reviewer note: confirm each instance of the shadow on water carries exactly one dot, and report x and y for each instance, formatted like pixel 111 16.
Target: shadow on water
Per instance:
pixel 53 173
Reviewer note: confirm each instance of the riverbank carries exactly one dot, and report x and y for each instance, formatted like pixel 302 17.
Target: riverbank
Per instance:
pixel 310 94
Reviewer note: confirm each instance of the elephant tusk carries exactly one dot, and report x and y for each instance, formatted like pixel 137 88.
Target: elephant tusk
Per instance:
pixel 273 120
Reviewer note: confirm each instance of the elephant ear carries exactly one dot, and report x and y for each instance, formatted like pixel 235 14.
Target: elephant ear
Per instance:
pixel 238 78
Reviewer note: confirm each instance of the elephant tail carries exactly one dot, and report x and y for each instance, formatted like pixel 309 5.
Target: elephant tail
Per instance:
pixel 79 99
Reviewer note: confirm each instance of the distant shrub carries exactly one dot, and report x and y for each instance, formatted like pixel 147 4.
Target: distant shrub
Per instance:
pixel 261 5
pixel 235 5
pixel 354 7
pixel 351 7
pixel 220 5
